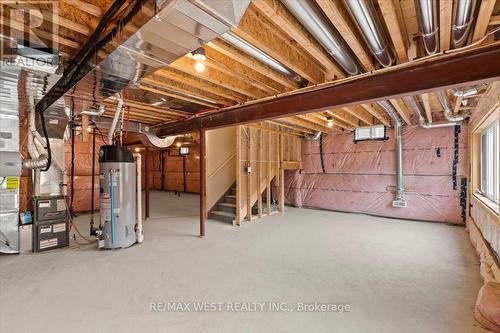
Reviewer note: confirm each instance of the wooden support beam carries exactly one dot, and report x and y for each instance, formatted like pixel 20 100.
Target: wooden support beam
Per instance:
pixel 391 20
pixel 483 19
pixel 437 73
pixel 495 20
pixel 252 29
pixel 281 176
pixel 259 173
pixel 268 173
pixel 339 17
pixel 276 12
pixel 239 170
pixel 402 109
pixel 445 17
pixel 203 182
pixel 249 175
pixel 85 125
pixel 427 106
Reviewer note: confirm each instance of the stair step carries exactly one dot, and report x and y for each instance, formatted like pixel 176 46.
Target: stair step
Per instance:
pixel 230 198
pixel 227 207
pixel 222 216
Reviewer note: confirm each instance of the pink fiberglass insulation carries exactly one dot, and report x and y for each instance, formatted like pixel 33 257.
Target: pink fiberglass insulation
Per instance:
pixel 357 176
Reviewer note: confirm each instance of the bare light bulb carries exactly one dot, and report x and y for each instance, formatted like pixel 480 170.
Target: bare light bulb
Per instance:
pixel 137 149
pixel 199 67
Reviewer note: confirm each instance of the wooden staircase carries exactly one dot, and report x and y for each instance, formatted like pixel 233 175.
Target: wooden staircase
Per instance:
pixel 225 209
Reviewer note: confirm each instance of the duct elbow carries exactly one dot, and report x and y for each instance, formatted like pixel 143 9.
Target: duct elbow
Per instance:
pixel 314 137
pixel 35 163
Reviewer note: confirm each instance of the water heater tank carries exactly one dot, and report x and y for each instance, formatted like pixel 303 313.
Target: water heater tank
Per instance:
pixel 117 197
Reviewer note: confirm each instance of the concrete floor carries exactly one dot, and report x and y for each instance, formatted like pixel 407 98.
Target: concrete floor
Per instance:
pixel 397 276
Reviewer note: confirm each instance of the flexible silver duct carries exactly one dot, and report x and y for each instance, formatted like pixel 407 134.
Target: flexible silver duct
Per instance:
pixel 463 12
pixel 417 108
pixel 313 19
pixel 428 23
pixel 428 17
pixel 366 19
pixel 314 137
pixel 448 112
pixel 399 199
pixel 35 163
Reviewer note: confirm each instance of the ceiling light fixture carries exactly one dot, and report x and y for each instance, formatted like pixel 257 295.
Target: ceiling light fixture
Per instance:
pixel 329 121
pixel 199 56
pixel 252 51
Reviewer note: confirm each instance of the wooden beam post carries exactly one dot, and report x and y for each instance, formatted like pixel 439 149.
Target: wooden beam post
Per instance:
pixel 268 173
pixel 147 182
pixel 281 175
pixel 249 175
pixel 203 184
pixel 238 175
pixel 259 172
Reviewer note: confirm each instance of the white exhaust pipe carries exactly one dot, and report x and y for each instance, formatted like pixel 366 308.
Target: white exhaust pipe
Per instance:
pixel 139 232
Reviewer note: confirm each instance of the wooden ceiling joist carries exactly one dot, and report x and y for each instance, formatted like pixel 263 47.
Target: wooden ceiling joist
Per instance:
pixel 390 15
pixel 161 82
pixel 305 121
pixel 236 55
pixel 346 117
pixel 186 65
pixel 251 29
pixel 373 109
pixel 402 109
pixel 339 122
pixel 276 12
pixel 427 106
pixel 360 114
pixel 339 17
pixel 177 96
pixel 86 7
pixel 294 128
pixel 200 84
pixel 445 16
pixel 483 18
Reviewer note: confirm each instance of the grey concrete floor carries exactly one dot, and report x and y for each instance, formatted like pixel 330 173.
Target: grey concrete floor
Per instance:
pixel 397 276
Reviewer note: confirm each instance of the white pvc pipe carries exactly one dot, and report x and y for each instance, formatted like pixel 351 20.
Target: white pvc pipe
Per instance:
pixel 139 232
pixel 119 107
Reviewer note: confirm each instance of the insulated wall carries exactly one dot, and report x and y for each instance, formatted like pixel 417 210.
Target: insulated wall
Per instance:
pixel 361 177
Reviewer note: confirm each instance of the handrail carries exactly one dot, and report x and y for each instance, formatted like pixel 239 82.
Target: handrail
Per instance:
pixel 219 168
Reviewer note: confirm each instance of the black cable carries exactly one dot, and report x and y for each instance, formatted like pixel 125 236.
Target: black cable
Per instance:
pixel 47 142
pixel 321 152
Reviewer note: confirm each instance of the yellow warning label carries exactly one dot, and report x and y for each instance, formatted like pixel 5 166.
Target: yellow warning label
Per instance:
pixel 12 183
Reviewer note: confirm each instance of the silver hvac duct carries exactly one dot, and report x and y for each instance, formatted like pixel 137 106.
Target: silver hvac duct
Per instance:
pixel 417 108
pixel 165 30
pixel 427 15
pixel 315 22
pixel 399 199
pixel 366 19
pixel 463 15
pixel 428 22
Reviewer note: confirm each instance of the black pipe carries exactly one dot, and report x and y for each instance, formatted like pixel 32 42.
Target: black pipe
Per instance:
pixel 76 70
pixel 92 230
pixel 184 171
pixel 162 167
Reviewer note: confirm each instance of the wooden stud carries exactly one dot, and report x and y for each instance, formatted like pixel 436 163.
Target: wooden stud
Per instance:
pixel 281 176
pixel 85 125
pixel 268 173
pixel 203 184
